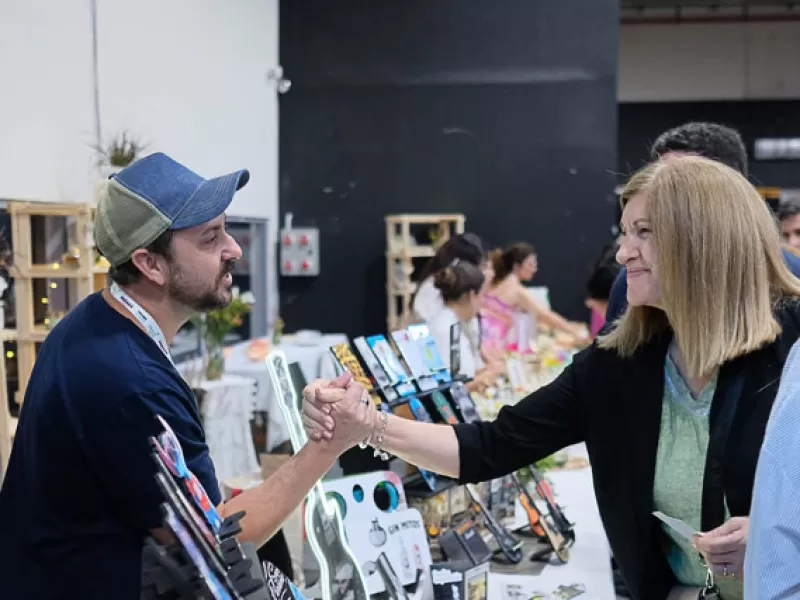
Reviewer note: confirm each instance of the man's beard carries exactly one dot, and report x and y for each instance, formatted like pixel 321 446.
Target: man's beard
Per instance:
pixel 200 299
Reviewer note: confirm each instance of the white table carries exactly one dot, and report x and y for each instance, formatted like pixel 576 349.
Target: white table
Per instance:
pixel 226 410
pixel 315 360
pixel 590 557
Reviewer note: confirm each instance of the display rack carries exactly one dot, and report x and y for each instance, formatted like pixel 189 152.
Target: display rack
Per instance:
pixel 402 249
pixel 80 269
pixel 8 424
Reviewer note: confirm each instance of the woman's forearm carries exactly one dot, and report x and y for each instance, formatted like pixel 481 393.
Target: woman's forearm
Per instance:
pixel 432 447
pixel 556 321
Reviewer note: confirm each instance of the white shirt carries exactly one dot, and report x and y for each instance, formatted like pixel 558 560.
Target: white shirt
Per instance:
pixel 439 327
pixel 428 301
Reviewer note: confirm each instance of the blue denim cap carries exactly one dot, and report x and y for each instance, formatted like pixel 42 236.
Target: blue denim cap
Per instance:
pixel 153 195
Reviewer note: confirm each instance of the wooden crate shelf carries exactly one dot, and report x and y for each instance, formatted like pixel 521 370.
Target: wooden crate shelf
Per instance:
pixel 84 276
pixel 400 252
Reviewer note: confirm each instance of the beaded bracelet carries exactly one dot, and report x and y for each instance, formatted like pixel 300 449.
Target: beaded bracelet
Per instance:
pixel 379 452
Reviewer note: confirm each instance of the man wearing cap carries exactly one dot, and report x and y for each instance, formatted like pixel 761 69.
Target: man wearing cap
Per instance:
pixel 79 496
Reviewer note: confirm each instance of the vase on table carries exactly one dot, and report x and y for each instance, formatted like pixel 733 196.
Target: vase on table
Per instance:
pixel 215 361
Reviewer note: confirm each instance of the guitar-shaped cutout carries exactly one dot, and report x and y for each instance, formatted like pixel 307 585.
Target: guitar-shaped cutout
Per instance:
pixel 508 545
pixel 545 492
pixel 539 525
pixel 341 577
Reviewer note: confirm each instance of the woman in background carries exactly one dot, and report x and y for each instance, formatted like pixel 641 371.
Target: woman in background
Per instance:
pixel 466 247
pixel 506 295
pixel 428 303
pixel 599 286
pixel 459 286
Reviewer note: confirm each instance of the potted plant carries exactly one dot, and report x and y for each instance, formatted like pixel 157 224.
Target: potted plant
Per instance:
pixel 216 324
pixel 120 152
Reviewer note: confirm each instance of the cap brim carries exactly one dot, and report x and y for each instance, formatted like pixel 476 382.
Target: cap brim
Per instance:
pixel 211 199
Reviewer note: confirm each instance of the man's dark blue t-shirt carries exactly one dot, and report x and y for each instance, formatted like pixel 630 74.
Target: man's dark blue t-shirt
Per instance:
pixel 618 300
pixel 80 494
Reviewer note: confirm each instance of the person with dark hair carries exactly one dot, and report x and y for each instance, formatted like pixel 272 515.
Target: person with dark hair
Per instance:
pixel 506 295
pixel 80 492
pixel 599 286
pixel 466 247
pixel 460 286
pixel 789 218
pixel 710 140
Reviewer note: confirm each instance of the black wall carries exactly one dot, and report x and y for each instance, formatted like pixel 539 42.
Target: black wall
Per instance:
pixel 505 111
pixel 640 124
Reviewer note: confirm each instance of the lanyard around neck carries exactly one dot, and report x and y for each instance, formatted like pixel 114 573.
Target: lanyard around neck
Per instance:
pixel 143 317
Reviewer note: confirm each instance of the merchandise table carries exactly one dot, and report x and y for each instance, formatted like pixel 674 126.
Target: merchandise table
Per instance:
pixel 590 557
pixel 315 361
pixel 226 410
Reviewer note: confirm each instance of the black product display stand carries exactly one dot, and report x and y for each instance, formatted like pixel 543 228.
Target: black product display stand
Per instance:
pixel 168 572
pixel 203 559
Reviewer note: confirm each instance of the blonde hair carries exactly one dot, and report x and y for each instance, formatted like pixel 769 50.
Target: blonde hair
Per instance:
pixel 719 262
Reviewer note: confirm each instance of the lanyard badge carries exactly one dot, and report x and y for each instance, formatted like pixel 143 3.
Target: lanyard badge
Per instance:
pixel 143 318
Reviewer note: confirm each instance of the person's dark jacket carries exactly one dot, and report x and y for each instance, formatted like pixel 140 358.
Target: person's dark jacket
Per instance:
pixel 614 406
pixel 618 301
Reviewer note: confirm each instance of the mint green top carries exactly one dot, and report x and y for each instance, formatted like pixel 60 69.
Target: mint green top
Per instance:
pixel 678 486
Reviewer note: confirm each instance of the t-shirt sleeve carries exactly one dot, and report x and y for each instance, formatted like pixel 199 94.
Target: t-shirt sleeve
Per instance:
pixel 117 444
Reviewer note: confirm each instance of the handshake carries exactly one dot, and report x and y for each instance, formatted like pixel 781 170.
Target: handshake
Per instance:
pixel 339 412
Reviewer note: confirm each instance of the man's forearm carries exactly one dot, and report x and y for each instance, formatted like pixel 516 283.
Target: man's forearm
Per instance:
pixel 269 504
pixel 432 447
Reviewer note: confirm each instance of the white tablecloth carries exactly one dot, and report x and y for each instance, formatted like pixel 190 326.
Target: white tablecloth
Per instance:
pixel 315 361
pixel 590 557
pixel 226 410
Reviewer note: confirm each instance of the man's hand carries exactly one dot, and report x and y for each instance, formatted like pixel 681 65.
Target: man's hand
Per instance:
pixel 339 410
pixel 724 547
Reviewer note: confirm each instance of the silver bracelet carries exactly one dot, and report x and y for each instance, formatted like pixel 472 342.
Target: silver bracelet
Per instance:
pixel 363 444
pixel 379 452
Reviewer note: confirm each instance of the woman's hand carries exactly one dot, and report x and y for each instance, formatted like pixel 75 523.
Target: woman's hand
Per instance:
pixel 316 414
pixel 483 380
pixel 723 548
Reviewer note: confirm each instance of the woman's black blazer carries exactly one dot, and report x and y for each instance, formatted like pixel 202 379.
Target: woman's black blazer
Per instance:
pixel 614 406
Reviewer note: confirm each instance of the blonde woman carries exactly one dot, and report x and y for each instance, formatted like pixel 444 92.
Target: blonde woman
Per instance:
pixel 672 402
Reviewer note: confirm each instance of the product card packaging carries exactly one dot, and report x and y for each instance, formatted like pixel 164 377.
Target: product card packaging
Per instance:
pixel 460 580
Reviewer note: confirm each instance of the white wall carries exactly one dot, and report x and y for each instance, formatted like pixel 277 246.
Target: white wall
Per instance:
pixel 189 76
pixel 46 123
pixel 709 61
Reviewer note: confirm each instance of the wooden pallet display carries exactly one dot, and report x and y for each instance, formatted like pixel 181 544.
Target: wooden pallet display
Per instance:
pixel 27 334
pixel 400 252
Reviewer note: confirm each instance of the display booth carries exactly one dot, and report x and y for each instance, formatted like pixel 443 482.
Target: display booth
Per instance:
pixel 405 532
pixel 398 532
